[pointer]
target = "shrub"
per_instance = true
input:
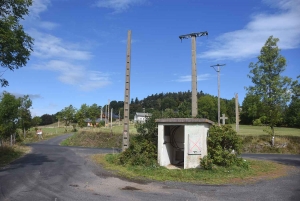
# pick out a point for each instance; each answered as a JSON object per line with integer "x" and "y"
{"x": 223, "y": 146}
{"x": 206, "y": 163}
{"x": 141, "y": 152}
{"x": 257, "y": 122}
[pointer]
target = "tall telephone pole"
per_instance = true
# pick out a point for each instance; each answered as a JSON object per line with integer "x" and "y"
{"x": 218, "y": 71}
{"x": 125, "y": 143}
{"x": 237, "y": 113}
{"x": 194, "y": 68}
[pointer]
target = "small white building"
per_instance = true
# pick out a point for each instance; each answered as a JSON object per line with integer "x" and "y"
{"x": 182, "y": 141}
{"x": 141, "y": 117}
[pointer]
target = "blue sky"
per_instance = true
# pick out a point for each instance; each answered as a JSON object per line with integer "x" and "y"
{"x": 80, "y": 48}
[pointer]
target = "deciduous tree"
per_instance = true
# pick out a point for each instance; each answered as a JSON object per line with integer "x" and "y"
{"x": 9, "y": 106}
{"x": 25, "y": 114}
{"x": 67, "y": 115}
{"x": 15, "y": 44}
{"x": 269, "y": 85}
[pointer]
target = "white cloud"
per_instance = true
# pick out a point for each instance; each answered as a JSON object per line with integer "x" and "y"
{"x": 118, "y": 5}
{"x": 37, "y": 7}
{"x": 76, "y": 75}
{"x": 48, "y": 25}
{"x": 49, "y": 46}
{"x": 247, "y": 42}
{"x": 188, "y": 78}
{"x": 19, "y": 95}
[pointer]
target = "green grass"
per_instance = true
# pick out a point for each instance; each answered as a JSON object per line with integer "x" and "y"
{"x": 219, "y": 175}
{"x": 48, "y": 133}
{"x": 258, "y": 130}
{"x": 10, "y": 153}
{"x": 116, "y": 129}
{"x": 94, "y": 139}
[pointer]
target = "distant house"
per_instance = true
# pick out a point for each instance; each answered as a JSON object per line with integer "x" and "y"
{"x": 89, "y": 121}
{"x": 104, "y": 119}
{"x": 141, "y": 117}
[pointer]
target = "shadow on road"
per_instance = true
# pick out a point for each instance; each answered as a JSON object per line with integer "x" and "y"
{"x": 28, "y": 160}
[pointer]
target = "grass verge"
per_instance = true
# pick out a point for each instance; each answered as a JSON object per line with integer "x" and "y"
{"x": 94, "y": 139}
{"x": 9, "y": 154}
{"x": 258, "y": 170}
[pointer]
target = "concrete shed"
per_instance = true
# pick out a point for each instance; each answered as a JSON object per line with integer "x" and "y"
{"x": 182, "y": 141}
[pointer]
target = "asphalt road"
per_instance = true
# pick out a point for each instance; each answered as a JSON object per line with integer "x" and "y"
{"x": 53, "y": 172}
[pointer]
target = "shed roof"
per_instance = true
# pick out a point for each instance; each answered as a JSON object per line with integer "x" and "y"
{"x": 184, "y": 120}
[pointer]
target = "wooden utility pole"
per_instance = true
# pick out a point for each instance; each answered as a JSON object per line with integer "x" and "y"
{"x": 237, "y": 113}
{"x": 119, "y": 118}
{"x": 125, "y": 143}
{"x": 111, "y": 118}
{"x": 194, "y": 69}
{"x": 219, "y": 105}
{"x": 107, "y": 114}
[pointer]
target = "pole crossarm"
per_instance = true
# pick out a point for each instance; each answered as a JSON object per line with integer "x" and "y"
{"x": 217, "y": 70}
{"x": 199, "y": 34}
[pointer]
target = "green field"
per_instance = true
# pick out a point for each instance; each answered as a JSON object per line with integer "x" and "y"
{"x": 258, "y": 130}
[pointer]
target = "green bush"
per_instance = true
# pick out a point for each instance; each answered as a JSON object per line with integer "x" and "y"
{"x": 223, "y": 146}
{"x": 141, "y": 152}
{"x": 257, "y": 122}
{"x": 206, "y": 163}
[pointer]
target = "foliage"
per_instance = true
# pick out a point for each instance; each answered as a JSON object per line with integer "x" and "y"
{"x": 184, "y": 109}
{"x": 36, "y": 121}
{"x": 9, "y": 106}
{"x": 24, "y": 114}
{"x": 47, "y": 119}
{"x": 67, "y": 115}
{"x": 206, "y": 163}
{"x": 292, "y": 117}
{"x": 269, "y": 85}
{"x": 208, "y": 107}
{"x": 251, "y": 109}
{"x": 149, "y": 129}
{"x": 94, "y": 113}
{"x": 15, "y": 44}
{"x": 141, "y": 152}
{"x": 223, "y": 146}
{"x": 257, "y": 122}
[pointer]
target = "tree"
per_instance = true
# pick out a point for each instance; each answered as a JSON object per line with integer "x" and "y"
{"x": 15, "y": 44}
{"x": 46, "y": 119}
{"x": 269, "y": 85}
{"x": 251, "y": 109}
{"x": 36, "y": 121}
{"x": 293, "y": 111}
{"x": 94, "y": 113}
{"x": 82, "y": 115}
{"x": 9, "y": 106}
{"x": 25, "y": 114}
{"x": 67, "y": 115}
{"x": 207, "y": 107}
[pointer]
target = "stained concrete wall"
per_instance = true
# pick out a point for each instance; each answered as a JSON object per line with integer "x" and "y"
{"x": 198, "y": 128}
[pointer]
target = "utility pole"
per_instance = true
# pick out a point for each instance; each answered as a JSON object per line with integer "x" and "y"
{"x": 111, "y": 119}
{"x": 101, "y": 114}
{"x": 125, "y": 143}
{"x": 237, "y": 119}
{"x": 194, "y": 68}
{"x": 119, "y": 118}
{"x": 218, "y": 71}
